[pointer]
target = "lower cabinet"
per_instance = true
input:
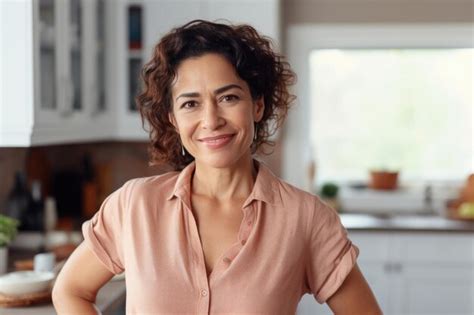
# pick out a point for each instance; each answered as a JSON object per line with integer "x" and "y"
{"x": 414, "y": 273}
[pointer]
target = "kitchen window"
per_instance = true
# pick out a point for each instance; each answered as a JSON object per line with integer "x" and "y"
{"x": 384, "y": 95}
{"x": 407, "y": 109}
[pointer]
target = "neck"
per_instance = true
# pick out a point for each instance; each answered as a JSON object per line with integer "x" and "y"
{"x": 225, "y": 184}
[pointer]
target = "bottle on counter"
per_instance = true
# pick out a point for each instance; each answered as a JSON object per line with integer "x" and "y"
{"x": 19, "y": 199}
{"x": 32, "y": 219}
{"x": 50, "y": 214}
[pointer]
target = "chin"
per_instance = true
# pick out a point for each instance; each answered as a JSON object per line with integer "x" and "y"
{"x": 220, "y": 159}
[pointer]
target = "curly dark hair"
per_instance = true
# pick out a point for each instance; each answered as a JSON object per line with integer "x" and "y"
{"x": 251, "y": 54}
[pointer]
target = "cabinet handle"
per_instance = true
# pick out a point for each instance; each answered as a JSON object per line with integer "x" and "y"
{"x": 68, "y": 88}
{"x": 397, "y": 267}
{"x": 95, "y": 100}
{"x": 71, "y": 95}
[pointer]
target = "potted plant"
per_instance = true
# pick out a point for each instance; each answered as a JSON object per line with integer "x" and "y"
{"x": 8, "y": 230}
{"x": 328, "y": 193}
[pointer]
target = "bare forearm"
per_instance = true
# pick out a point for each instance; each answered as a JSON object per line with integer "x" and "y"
{"x": 70, "y": 304}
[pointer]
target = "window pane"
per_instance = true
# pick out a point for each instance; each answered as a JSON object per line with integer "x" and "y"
{"x": 403, "y": 109}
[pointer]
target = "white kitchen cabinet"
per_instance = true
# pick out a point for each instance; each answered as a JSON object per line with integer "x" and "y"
{"x": 433, "y": 289}
{"x": 434, "y": 274}
{"x": 414, "y": 273}
{"x": 51, "y": 72}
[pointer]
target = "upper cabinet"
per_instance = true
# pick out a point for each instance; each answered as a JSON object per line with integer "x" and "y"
{"x": 70, "y": 69}
{"x": 68, "y": 54}
{"x": 53, "y": 73}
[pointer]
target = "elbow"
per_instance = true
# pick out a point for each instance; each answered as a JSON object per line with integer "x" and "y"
{"x": 58, "y": 294}
{"x": 66, "y": 298}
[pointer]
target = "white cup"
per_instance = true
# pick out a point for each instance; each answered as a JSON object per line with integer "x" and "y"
{"x": 44, "y": 262}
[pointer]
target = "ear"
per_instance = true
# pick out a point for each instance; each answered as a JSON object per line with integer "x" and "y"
{"x": 258, "y": 108}
{"x": 172, "y": 120}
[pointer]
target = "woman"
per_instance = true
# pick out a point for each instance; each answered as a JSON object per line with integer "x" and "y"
{"x": 222, "y": 234}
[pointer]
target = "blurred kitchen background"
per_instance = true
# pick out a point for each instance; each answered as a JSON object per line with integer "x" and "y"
{"x": 382, "y": 128}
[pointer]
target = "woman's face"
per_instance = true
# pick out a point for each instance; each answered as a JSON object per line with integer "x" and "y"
{"x": 213, "y": 111}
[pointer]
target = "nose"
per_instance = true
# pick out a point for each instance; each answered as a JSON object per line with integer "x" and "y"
{"x": 212, "y": 118}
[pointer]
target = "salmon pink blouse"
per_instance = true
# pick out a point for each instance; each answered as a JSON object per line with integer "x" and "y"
{"x": 289, "y": 243}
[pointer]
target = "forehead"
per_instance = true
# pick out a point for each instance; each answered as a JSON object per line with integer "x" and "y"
{"x": 209, "y": 71}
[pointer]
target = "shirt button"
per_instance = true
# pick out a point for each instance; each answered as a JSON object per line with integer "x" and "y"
{"x": 243, "y": 242}
{"x": 227, "y": 260}
{"x": 249, "y": 222}
{"x": 204, "y": 292}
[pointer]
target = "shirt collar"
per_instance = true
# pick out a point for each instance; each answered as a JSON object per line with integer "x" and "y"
{"x": 265, "y": 188}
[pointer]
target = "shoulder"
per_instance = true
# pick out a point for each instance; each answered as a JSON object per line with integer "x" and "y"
{"x": 151, "y": 186}
{"x": 292, "y": 195}
{"x": 306, "y": 204}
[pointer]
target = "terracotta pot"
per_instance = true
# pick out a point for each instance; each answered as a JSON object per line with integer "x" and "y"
{"x": 383, "y": 180}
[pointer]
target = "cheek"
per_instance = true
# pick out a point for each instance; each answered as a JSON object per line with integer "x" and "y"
{"x": 246, "y": 125}
{"x": 185, "y": 127}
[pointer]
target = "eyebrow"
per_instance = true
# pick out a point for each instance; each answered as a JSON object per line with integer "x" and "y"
{"x": 217, "y": 91}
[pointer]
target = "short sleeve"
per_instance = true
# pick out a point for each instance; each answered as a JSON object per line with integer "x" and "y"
{"x": 103, "y": 232}
{"x": 331, "y": 255}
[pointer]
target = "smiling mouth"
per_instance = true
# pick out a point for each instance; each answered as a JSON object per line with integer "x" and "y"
{"x": 217, "y": 142}
{"x": 216, "y": 138}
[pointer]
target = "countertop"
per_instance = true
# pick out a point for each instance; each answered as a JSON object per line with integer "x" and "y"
{"x": 109, "y": 299}
{"x": 405, "y": 222}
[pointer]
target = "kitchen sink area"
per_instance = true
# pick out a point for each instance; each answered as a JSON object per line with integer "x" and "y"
{"x": 406, "y": 222}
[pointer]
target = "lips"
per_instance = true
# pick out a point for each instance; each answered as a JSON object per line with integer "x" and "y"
{"x": 217, "y": 141}
{"x": 213, "y": 139}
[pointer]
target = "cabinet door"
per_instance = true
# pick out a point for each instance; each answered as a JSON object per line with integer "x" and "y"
{"x": 433, "y": 289}
{"x": 69, "y": 72}
{"x": 434, "y": 274}
{"x": 82, "y": 47}
{"x": 49, "y": 76}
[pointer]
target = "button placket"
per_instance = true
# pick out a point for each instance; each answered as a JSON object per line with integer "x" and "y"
{"x": 198, "y": 256}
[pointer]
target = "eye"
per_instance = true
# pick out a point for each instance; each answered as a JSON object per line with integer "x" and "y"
{"x": 188, "y": 105}
{"x": 230, "y": 98}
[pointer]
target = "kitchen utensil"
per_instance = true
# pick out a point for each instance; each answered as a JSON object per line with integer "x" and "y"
{"x": 25, "y": 282}
{"x": 44, "y": 262}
